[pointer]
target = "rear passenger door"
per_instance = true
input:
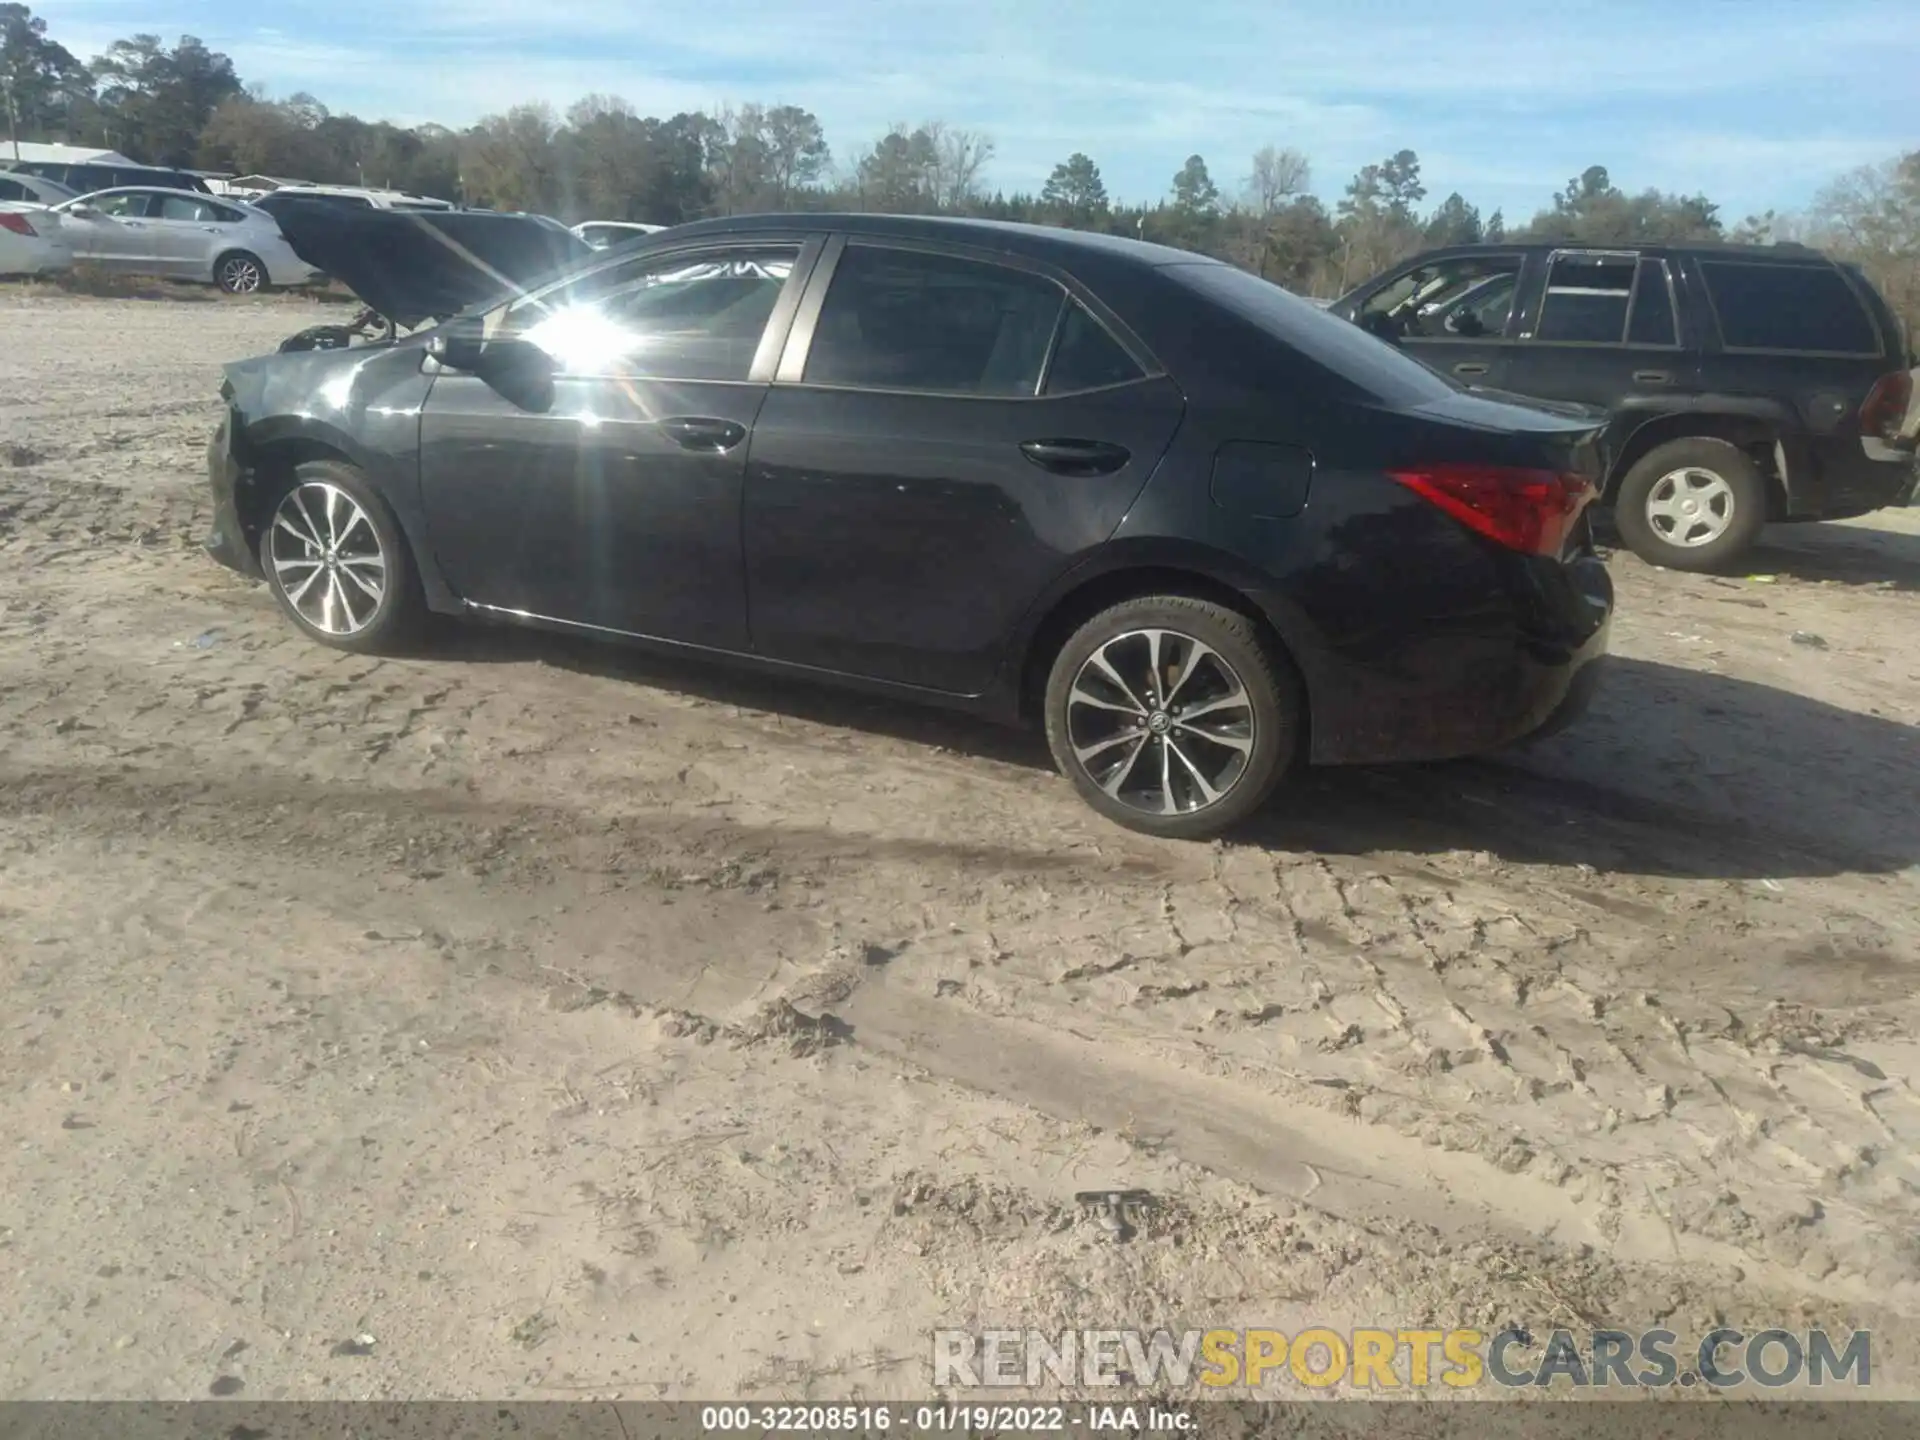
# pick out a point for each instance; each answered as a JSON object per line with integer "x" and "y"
{"x": 1603, "y": 329}
{"x": 189, "y": 232}
{"x": 947, "y": 432}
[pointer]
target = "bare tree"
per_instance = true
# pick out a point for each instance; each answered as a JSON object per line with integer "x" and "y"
{"x": 1277, "y": 176}
{"x": 958, "y": 158}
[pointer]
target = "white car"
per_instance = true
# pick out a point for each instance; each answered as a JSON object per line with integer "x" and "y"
{"x": 34, "y": 189}
{"x": 32, "y": 240}
{"x": 601, "y": 234}
{"x": 180, "y": 235}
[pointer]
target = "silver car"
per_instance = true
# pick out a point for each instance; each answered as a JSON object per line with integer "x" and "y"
{"x": 180, "y": 235}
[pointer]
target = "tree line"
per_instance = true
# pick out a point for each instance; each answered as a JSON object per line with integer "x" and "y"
{"x": 184, "y": 105}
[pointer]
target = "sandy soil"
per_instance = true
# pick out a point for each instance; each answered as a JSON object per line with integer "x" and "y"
{"x": 534, "y": 1019}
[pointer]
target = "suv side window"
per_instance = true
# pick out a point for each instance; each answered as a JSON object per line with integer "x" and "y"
{"x": 1652, "y": 322}
{"x": 910, "y": 320}
{"x": 1763, "y": 306}
{"x": 682, "y": 317}
{"x": 1586, "y": 299}
{"x": 1465, "y": 297}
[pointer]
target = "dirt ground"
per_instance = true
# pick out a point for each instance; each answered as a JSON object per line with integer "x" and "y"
{"x": 533, "y": 1019}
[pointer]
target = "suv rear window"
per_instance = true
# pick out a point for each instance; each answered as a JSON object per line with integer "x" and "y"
{"x": 1788, "y": 307}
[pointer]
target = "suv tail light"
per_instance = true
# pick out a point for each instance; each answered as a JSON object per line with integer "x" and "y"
{"x": 1532, "y": 511}
{"x": 16, "y": 222}
{"x": 1886, "y": 405}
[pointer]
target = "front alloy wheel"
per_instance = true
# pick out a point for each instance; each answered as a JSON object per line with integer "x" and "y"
{"x": 1171, "y": 715}
{"x": 337, "y": 561}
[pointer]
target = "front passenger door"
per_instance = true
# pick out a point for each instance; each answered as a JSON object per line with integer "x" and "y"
{"x": 1453, "y": 313}
{"x": 614, "y": 501}
{"x": 948, "y": 433}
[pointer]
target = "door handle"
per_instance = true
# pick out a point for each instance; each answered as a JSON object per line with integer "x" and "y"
{"x": 1653, "y": 377}
{"x": 701, "y": 432}
{"x": 1076, "y": 457}
{"x": 1471, "y": 367}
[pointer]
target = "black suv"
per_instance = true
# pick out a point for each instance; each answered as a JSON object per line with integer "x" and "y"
{"x": 1746, "y": 383}
{"x": 85, "y": 177}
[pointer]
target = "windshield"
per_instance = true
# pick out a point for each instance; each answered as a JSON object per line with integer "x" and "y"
{"x": 1358, "y": 358}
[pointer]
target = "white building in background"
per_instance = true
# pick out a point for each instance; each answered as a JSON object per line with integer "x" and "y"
{"x": 11, "y": 150}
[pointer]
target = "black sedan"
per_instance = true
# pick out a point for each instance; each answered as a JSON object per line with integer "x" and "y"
{"x": 1196, "y": 527}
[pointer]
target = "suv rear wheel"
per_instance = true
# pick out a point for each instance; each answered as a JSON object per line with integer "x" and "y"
{"x": 1692, "y": 504}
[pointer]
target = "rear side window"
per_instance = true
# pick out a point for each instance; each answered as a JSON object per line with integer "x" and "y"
{"x": 1653, "y": 320}
{"x": 179, "y": 207}
{"x": 1086, "y": 357}
{"x": 1586, "y": 299}
{"x": 1788, "y": 307}
{"x": 1371, "y": 366}
{"x": 13, "y": 190}
{"x": 908, "y": 320}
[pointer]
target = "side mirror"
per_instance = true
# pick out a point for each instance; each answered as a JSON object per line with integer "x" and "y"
{"x": 1381, "y": 326}
{"x": 83, "y": 210}
{"x": 459, "y": 344}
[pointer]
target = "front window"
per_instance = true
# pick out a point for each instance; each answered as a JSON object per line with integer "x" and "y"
{"x": 119, "y": 202}
{"x": 685, "y": 317}
{"x": 1467, "y": 297}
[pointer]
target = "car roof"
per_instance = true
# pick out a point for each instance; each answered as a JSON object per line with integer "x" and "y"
{"x": 1782, "y": 252}
{"x": 1040, "y": 242}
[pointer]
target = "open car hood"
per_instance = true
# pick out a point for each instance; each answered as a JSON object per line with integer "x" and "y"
{"x": 412, "y": 266}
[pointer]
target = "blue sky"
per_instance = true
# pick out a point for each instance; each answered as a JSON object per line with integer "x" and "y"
{"x": 1756, "y": 102}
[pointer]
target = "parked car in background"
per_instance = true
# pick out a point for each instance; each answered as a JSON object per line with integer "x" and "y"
{"x": 179, "y": 235}
{"x": 1747, "y": 384}
{"x": 84, "y": 177}
{"x": 1027, "y": 472}
{"x": 601, "y": 234}
{"x": 32, "y": 241}
{"x": 33, "y": 189}
{"x": 351, "y": 197}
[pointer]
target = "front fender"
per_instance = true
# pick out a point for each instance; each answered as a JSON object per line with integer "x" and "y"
{"x": 362, "y": 404}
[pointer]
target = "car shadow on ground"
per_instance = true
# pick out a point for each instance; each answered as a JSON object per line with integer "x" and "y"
{"x": 1845, "y": 554}
{"x": 1674, "y": 772}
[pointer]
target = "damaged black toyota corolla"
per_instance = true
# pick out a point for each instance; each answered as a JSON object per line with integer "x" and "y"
{"x": 1196, "y": 527}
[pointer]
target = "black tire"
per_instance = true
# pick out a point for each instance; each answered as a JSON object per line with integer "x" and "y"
{"x": 1274, "y": 712}
{"x": 1741, "y": 489}
{"x": 240, "y": 272}
{"x": 314, "y": 500}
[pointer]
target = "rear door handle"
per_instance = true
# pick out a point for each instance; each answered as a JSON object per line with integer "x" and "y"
{"x": 1653, "y": 377}
{"x": 702, "y": 432}
{"x": 1471, "y": 367}
{"x": 1076, "y": 457}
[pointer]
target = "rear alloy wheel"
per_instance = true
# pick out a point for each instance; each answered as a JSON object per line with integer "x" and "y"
{"x": 338, "y": 563}
{"x": 240, "y": 274}
{"x": 1693, "y": 504}
{"x": 1171, "y": 715}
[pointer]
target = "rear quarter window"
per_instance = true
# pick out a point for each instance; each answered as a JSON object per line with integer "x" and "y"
{"x": 1788, "y": 307}
{"x": 1370, "y": 365}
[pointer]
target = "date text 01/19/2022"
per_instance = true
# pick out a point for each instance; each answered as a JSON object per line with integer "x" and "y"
{"x": 939, "y": 1419}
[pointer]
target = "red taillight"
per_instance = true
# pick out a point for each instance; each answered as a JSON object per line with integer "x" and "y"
{"x": 16, "y": 222}
{"x": 1886, "y": 405}
{"x": 1531, "y": 511}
